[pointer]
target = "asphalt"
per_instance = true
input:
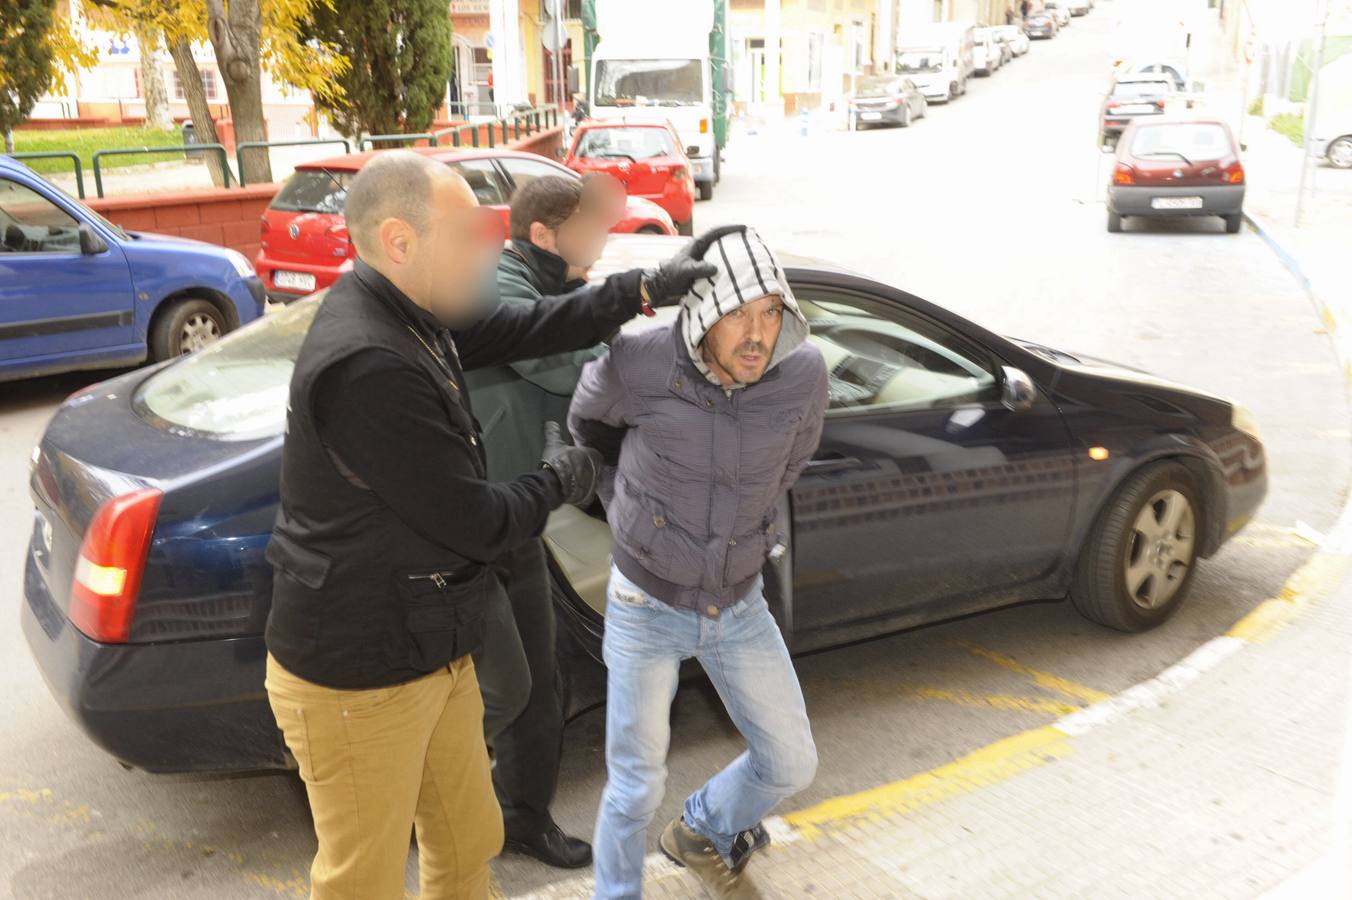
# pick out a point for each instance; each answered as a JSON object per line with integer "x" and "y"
{"x": 991, "y": 207}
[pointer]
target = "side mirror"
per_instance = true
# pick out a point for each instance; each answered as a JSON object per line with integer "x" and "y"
{"x": 1017, "y": 391}
{"x": 90, "y": 242}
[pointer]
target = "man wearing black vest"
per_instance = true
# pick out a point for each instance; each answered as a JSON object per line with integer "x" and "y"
{"x": 388, "y": 527}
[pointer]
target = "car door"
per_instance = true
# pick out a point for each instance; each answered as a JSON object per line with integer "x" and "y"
{"x": 928, "y": 497}
{"x": 56, "y": 301}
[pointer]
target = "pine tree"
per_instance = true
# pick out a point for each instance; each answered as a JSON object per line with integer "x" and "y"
{"x": 400, "y": 51}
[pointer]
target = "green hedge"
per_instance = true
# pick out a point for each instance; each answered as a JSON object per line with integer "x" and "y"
{"x": 1292, "y": 125}
{"x": 85, "y": 141}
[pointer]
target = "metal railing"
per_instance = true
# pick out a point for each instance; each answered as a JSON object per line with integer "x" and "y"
{"x": 131, "y": 151}
{"x": 59, "y": 154}
{"x": 253, "y": 145}
{"x": 374, "y": 139}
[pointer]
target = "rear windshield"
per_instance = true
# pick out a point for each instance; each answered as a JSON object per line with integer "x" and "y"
{"x": 625, "y": 143}
{"x": 1192, "y": 141}
{"x": 313, "y": 191}
{"x": 1132, "y": 89}
{"x": 235, "y": 389}
{"x": 879, "y": 84}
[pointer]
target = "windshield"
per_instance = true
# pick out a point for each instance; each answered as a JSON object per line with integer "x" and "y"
{"x": 649, "y": 82}
{"x": 1192, "y": 141}
{"x": 1132, "y": 89}
{"x": 916, "y": 61}
{"x": 879, "y": 84}
{"x": 625, "y": 143}
{"x": 314, "y": 191}
{"x": 235, "y": 389}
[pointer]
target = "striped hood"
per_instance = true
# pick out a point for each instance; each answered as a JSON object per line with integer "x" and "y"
{"x": 747, "y": 271}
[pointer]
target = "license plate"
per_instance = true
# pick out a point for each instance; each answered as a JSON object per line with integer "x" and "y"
{"x": 296, "y": 281}
{"x": 1134, "y": 108}
{"x": 870, "y": 116}
{"x": 1176, "y": 203}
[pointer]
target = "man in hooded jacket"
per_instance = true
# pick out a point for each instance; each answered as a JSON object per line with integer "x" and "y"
{"x": 704, "y": 424}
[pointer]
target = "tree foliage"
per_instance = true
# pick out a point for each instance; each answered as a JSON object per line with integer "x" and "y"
{"x": 400, "y": 53}
{"x": 37, "y": 49}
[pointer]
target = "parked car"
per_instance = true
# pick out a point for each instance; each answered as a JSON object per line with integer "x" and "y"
{"x": 1336, "y": 147}
{"x": 78, "y": 292}
{"x": 1174, "y": 71}
{"x": 1132, "y": 97}
{"x": 304, "y": 241}
{"x": 645, "y": 156}
{"x": 1059, "y": 12}
{"x": 886, "y": 99}
{"x": 938, "y": 58}
{"x": 986, "y": 53}
{"x": 1008, "y": 471}
{"x": 1076, "y": 7}
{"x": 1015, "y": 37}
{"x": 1040, "y": 25}
{"x": 1177, "y": 167}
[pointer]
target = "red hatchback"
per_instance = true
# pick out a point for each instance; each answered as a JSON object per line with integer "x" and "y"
{"x": 646, "y": 157}
{"x": 1177, "y": 167}
{"x": 304, "y": 243}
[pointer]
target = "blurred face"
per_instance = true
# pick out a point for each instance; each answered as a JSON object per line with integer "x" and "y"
{"x": 444, "y": 266}
{"x": 581, "y": 238}
{"x": 738, "y": 348}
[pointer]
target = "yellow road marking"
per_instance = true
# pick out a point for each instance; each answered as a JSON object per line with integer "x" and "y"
{"x": 998, "y": 701}
{"x": 1063, "y": 686}
{"x": 984, "y": 766}
{"x": 1316, "y": 577}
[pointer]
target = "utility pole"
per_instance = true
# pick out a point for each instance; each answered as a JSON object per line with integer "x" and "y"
{"x": 1312, "y": 109}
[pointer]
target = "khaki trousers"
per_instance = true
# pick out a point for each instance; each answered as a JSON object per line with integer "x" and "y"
{"x": 377, "y": 763}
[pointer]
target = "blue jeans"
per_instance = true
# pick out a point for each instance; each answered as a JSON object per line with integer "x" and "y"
{"x": 744, "y": 655}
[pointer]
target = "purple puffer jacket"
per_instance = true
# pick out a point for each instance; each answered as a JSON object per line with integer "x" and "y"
{"x": 700, "y": 470}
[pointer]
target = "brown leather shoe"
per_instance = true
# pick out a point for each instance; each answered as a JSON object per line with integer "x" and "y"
{"x": 687, "y": 847}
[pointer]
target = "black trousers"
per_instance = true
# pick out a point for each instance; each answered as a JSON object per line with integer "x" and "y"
{"x": 523, "y": 712}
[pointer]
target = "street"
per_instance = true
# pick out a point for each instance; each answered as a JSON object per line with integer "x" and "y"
{"x": 991, "y": 206}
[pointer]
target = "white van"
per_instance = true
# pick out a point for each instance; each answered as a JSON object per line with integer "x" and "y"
{"x": 938, "y": 58}
{"x": 1332, "y": 137}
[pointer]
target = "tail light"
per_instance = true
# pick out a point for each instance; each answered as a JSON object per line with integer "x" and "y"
{"x": 1159, "y": 104}
{"x": 1123, "y": 174}
{"x": 703, "y": 126}
{"x": 111, "y": 562}
{"x": 1234, "y": 173}
{"x": 1112, "y": 104}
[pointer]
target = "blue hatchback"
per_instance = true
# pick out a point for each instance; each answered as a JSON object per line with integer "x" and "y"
{"x": 78, "y": 292}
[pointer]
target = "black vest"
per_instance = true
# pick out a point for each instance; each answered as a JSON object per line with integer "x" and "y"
{"x": 359, "y": 599}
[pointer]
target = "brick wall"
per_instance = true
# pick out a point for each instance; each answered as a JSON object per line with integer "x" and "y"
{"x": 229, "y": 216}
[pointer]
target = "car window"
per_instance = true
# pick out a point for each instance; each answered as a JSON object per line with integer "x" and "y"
{"x": 313, "y": 191}
{"x": 920, "y": 61}
{"x": 624, "y": 143}
{"x": 524, "y": 171}
{"x": 484, "y": 179}
{"x": 1192, "y": 140}
{"x": 30, "y": 223}
{"x": 235, "y": 389}
{"x": 886, "y": 357}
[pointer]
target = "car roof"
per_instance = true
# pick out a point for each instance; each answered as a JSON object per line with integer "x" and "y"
{"x": 623, "y": 122}
{"x": 641, "y": 251}
{"x": 1133, "y": 77}
{"x": 352, "y": 162}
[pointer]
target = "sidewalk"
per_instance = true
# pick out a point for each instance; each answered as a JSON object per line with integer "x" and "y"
{"x": 1215, "y": 779}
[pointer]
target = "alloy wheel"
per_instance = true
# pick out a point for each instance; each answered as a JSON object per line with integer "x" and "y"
{"x": 1160, "y": 550}
{"x": 198, "y": 331}
{"x": 1340, "y": 153}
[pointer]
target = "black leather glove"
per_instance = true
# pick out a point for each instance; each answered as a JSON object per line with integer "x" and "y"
{"x": 577, "y": 468}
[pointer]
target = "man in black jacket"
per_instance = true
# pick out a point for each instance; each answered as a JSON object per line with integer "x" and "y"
{"x": 388, "y": 527}
{"x": 559, "y": 228}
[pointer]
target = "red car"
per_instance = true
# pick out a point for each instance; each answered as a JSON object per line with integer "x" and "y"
{"x": 1166, "y": 168}
{"x": 646, "y": 157}
{"x": 304, "y": 243}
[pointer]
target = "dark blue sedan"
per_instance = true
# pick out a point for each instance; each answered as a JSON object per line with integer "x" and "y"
{"x": 78, "y": 292}
{"x": 959, "y": 471}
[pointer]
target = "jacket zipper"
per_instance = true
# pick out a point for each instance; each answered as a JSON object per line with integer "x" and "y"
{"x": 437, "y": 578}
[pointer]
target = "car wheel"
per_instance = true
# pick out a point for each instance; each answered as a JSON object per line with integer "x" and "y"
{"x": 1114, "y": 222}
{"x": 906, "y": 117}
{"x": 652, "y": 229}
{"x": 687, "y": 227}
{"x": 706, "y": 190}
{"x": 1340, "y": 153}
{"x": 1137, "y": 565}
{"x": 1233, "y": 223}
{"x": 185, "y": 326}
{"x": 953, "y": 92}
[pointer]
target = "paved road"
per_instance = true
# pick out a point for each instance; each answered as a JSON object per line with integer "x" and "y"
{"x": 990, "y": 207}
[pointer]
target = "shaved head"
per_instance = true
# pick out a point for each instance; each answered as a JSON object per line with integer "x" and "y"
{"x": 415, "y": 220}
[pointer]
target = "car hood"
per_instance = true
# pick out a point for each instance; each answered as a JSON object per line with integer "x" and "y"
{"x": 1095, "y": 366}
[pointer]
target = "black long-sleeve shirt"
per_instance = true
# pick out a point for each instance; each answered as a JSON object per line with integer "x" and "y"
{"x": 385, "y": 422}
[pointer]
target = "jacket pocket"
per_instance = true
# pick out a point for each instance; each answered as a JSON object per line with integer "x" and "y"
{"x": 442, "y": 616}
{"x": 303, "y": 565}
